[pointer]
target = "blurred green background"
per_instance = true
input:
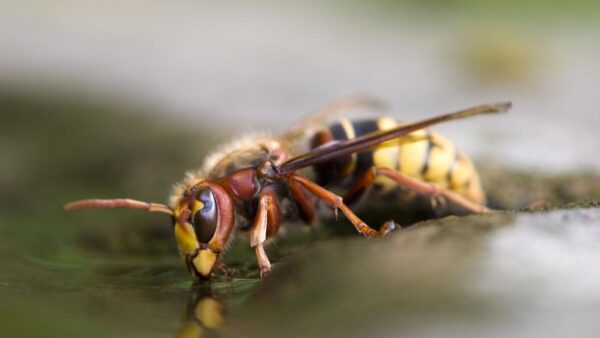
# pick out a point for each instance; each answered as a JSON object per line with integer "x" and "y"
{"x": 109, "y": 99}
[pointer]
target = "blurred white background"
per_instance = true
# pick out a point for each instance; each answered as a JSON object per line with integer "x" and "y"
{"x": 247, "y": 66}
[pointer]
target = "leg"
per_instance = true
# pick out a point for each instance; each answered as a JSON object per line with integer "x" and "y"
{"x": 303, "y": 200}
{"x": 266, "y": 216}
{"x": 366, "y": 183}
{"x": 336, "y": 202}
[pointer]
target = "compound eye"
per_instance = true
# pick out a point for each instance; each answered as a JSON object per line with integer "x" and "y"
{"x": 205, "y": 215}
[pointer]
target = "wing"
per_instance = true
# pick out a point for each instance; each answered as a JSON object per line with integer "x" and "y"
{"x": 376, "y": 138}
{"x": 323, "y": 115}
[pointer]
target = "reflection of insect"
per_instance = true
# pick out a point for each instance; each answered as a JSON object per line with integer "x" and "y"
{"x": 204, "y": 315}
{"x": 255, "y": 184}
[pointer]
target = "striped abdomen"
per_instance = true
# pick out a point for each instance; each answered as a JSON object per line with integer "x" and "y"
{"x": 423, "y": 155}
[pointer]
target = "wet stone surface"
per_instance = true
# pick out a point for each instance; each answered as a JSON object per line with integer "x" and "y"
{"x": 523, "y": 274}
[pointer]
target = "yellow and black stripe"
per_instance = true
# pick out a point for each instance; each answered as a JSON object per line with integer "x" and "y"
{"x": 423, "y": 155}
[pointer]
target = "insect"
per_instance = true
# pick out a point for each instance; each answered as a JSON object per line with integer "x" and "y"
{"x": 257, "y": 184}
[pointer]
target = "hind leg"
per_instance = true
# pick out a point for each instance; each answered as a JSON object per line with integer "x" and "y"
{"x": 436, "y": 193}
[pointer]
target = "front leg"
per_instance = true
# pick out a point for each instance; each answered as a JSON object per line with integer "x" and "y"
{"x": 266, "y": 223}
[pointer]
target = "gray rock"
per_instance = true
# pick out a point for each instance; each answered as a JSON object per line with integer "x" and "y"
{"x": 525, "y": 274}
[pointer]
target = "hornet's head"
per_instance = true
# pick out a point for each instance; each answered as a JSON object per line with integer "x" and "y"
{"x": 203, "y": 216}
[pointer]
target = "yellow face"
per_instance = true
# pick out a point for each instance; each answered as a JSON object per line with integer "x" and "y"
{"x": 196, "y": 220}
